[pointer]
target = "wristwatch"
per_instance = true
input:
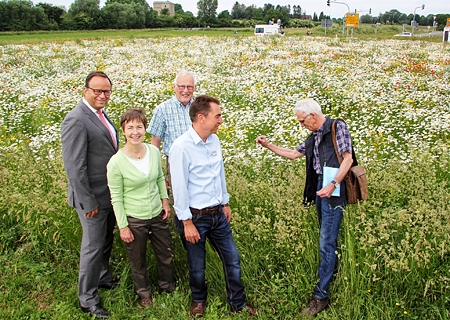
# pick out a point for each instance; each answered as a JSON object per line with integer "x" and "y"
{"x": 335, "y": 184}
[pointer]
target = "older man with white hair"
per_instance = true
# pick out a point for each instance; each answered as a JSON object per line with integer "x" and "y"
{"x": 171, "y": 118}
{"x": 319, "y": 151}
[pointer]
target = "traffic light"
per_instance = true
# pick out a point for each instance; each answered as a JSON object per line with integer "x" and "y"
{"x": 370, "y": 11}
{"x": 328, "y": 2}
{"x": 423, "y": 6}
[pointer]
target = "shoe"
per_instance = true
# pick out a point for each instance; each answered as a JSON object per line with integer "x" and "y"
{"x": 145, "y": 302}
{"x": 109, "y": 286}
{"x": 198, "y": 308}
{"x": 315, "y": 305}
{"x": 97, "y": 310}
{"x": 251, "y": 310}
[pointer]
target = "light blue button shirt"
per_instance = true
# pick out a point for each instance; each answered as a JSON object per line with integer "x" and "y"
{"x": 170, "y": 120}
{"x": 198, "y": 175}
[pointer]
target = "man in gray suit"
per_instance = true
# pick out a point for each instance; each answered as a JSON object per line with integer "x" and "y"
{"x": 89, "y": 140}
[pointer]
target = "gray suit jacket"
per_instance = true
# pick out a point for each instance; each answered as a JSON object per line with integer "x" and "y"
{"x": 86, "y": 147}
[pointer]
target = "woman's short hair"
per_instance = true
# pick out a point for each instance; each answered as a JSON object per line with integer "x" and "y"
{"x": 135, "y": 114}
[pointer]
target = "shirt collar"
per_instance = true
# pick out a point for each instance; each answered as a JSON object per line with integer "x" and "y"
{"x": 195, "y": 137}
{"x": 178, "y": 103}
{"x": 89, "y": 106}
{"x": 321, "y": 127}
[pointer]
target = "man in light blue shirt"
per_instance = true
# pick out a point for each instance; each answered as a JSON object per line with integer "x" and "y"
{"x": 171, "y": 118}
{"x": 201, "y": 204}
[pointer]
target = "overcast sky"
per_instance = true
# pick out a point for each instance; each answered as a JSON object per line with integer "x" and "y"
{"x": 310, "y": 6}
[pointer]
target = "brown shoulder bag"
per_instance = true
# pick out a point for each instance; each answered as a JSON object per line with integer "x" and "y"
{"x": 355, "y": 179}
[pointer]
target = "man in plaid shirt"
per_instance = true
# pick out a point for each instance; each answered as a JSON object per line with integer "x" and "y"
{"x": 171, "y": 118}
{"x": 319, "y": 151}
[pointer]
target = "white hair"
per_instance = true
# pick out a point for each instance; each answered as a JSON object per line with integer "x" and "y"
{"x": 183, "y": 73}
{"x": 307, "y": 106}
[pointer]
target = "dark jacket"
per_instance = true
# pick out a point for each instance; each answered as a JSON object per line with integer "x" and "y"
{"x": 328, "y": 157}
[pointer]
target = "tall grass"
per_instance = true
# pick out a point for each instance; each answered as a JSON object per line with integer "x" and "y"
{"x": 393, "y": 249}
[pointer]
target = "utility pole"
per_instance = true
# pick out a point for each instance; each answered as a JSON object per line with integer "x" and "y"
{"x": 414, "y": 18}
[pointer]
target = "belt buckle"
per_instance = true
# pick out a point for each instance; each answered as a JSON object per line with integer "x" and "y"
{"x": 211, "y": 209}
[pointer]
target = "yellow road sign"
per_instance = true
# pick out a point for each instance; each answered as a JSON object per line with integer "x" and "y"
{"x": 352, "y": 20}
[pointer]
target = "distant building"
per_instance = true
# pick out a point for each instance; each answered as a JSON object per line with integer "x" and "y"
{"x": 159, "y": 5}
{"x": 305, "y": 17}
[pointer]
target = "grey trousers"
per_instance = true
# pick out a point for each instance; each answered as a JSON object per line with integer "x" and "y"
{"x": 96, "y": 246}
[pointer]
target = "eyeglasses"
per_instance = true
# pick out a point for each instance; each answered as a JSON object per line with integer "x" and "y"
{"x": 303, "y": 120}
{"x": 98, "y": 92}
{"x": 190, "y": 88}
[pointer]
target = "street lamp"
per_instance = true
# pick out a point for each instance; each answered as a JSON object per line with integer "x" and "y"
{"x": 348, "y": 8}
{"x": 414, "y": 18}
{"x": 343, "y": 20}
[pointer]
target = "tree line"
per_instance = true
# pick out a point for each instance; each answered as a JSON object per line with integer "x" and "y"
{"x": 396, "y": 17}
{"x": 23, "y": 15}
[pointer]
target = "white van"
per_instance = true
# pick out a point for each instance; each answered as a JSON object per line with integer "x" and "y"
{"x": 268, "y": 30}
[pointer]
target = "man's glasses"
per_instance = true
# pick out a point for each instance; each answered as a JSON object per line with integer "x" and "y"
{"x": 190, "y": 88}
{"x": 303, "y": 120}
{"x": 98, "y": 92}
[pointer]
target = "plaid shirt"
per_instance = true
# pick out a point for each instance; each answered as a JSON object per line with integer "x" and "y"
{"x": 343, "y": 140}
{"x": 170, "y": 120}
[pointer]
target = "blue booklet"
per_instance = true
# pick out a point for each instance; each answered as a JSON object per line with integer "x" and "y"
{"x": 328, "y": 174}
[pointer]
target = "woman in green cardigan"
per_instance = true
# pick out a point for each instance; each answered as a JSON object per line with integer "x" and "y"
{"x": 141, "y": 205}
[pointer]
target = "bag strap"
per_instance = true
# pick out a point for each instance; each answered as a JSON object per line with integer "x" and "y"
{"x": 333, "y": 137}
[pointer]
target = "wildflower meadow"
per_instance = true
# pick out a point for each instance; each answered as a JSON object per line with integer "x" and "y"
{"x": 394, "y": 249}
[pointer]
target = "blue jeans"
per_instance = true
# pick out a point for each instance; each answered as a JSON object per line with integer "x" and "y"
{"x": 329, "y": 223}
{"x": 216, "y": 228}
